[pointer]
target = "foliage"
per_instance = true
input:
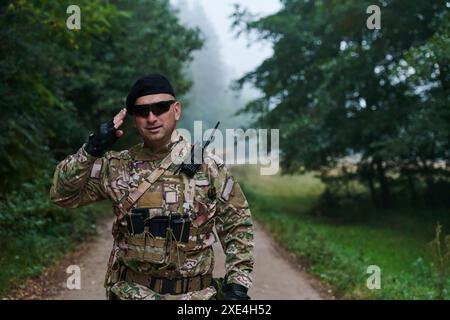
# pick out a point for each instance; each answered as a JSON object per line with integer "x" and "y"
{"x": 57, "y": 84}
{"x": 440, "y": 247}
{"x": 373, "y": 101}
{"x": 35, "y": 233}
{"x": 337, "y": 247}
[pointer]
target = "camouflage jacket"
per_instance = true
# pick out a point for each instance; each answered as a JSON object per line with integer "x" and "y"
{"x": 219, "y": 202}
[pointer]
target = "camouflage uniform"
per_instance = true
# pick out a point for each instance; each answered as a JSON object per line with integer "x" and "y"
{"x": 218, "y": 203}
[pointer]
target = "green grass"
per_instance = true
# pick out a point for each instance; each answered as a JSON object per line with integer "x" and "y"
{"x": 338, "y": 244}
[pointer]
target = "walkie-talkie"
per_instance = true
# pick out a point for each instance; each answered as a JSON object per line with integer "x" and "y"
{"x": 195, "y": 163}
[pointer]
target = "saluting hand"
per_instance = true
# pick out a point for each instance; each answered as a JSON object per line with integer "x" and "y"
{"x": 118, "y": 121}
{"x": 106, "y": 136}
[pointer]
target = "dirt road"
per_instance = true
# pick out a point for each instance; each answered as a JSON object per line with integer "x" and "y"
{"x": 275, "y": 277}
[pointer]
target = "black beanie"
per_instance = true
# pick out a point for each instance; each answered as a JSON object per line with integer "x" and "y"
{"x": 150, "y": 84}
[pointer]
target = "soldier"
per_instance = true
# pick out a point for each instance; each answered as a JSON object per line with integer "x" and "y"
{"x": 165, "y": 215}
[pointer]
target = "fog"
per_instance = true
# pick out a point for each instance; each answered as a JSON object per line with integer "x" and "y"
{"x": 223, "y": 59}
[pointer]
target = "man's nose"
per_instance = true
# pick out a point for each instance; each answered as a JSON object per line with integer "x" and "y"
{"x": 151, "y": 117}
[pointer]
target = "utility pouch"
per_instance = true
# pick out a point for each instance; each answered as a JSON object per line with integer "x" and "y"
{"x": 157, "y": 226}
{"x": 147, "y": 238}
{"x": 136, "y": 220}
{"x": 180, "y": 225}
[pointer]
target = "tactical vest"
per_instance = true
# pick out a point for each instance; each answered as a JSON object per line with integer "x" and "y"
{"x": 170, "y": 220}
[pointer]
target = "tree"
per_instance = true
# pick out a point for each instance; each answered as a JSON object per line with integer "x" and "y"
{"x": 347, "y": 92}
{"x": 57, "y": 84}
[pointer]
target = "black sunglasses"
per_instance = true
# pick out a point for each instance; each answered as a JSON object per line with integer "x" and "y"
{"x": 157, "y": 108}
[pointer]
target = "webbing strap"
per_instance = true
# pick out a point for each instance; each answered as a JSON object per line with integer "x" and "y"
{"x": 170, "y": 286}
{"x": 179, "y": 151}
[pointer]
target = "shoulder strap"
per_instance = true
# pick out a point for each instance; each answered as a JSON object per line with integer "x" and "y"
{"x": 134, "y": 196}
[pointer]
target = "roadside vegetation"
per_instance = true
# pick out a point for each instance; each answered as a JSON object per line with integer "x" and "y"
{"x": 338, "y": 244}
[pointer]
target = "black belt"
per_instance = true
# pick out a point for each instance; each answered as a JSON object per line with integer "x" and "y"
{"x": 170, "y": 286}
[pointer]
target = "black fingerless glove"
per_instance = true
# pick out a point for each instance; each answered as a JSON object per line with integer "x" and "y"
{"x": 233, "y": 291}
{"x": 101, "y": 141}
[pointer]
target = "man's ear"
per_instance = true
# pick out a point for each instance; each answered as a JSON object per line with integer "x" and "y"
{"x": 177, "y": 109}
{"x": 134, "y": 121}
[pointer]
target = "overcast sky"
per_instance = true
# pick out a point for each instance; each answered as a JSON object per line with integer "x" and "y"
{"x": 235, "y": 54}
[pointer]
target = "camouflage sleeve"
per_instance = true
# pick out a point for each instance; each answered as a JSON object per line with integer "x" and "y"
{"x": 234, "y": 227}
{"x": 77, "y": 180}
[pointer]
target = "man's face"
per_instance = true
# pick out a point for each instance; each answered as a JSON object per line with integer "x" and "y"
{"x": 157, "y": 130}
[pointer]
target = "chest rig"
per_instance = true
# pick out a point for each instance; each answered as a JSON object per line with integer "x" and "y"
{"x": 166, "y": 217}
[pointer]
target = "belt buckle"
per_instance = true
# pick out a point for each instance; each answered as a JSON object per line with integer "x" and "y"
{"x": 169, "y": 286}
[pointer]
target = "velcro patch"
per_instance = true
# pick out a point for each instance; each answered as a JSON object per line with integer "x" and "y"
{"x": 202, "y": 183}
{"x": 151, "y": 200}
{"x": 227, "y": 188}
{"x": 96, "y": 169}
{"x": 171, "y": 197}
